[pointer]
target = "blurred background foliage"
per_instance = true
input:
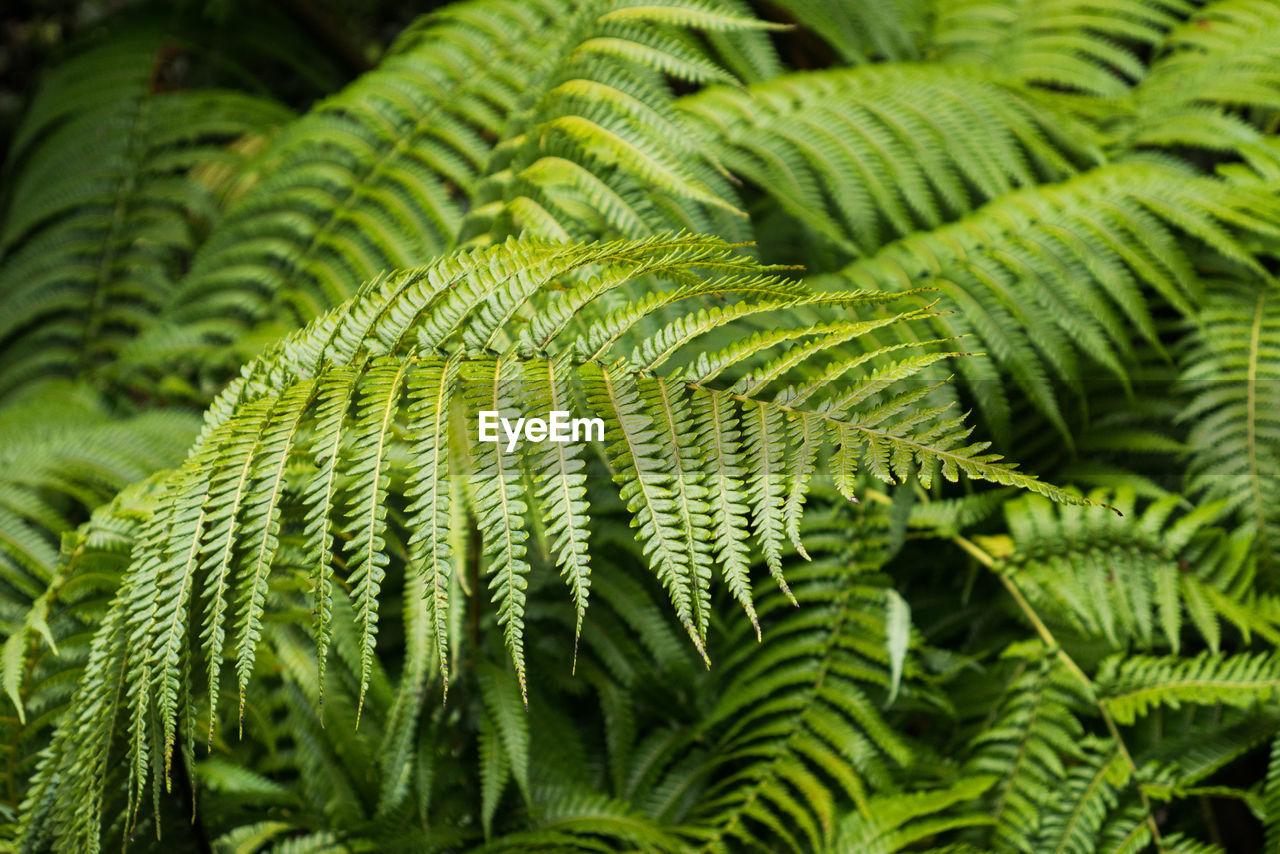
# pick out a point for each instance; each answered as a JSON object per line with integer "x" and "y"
{"x": 1084, "y": 195}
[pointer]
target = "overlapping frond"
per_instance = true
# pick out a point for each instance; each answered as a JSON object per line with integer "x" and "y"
{"x": 63, "y": 454}
{"x": 551, "y": 117}
{"x": 261, "y": 637}
{"x": 855, "y": 156}
{"x": 1027, "y": 743}
{"x": 47, "y": 642}
{"x": 1060, "y": 719}
{"x": 1214, "y": 83}
{"x": 1136, "y": 580}
{"x": 1078, "y": 811}
{"x": 798, "y": 735}
{"x": 786, "y": 742}
{"x": 1132, "y": 686}
{"x": 1105, "y": 240}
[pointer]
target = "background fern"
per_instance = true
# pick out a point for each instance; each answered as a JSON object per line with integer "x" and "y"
{"x": 793, "y": 253}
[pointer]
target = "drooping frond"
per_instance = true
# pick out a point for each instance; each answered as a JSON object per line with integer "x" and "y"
{"x": 1079, "y": 45}
{"x": 1231, "y": 367}
{"x": 46, "y": 646}
{"x": 117, "y": 183}
{"x": 207, "y": 555}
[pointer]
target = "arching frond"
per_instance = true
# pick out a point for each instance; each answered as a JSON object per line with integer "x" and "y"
{"x": 508, "y": 110}
{"x": 1135, "y": 580}
{"x": 1133, "y": 685}
{"x": 1104, "y": 237}
{"x": 209, "y": 553}
{"x": 63, "y": 454}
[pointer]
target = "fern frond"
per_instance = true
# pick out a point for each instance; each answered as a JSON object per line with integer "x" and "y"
{"x": 1105, "y": 234}
{"x": 481, "y": 112}
{"x": 497, "y": 498}
{"x": 63, "y": 455}
{"x": 1132, "y": 686}
{"x": 797, "y": 734}
{"x": 109, "y": 203}
{"x": 429, "y": 392}
{"x": 1271, "y": 794}
{"x": 347, "y": 373}
{"x": 1231, "y": 370}
{"x": 1133, "y": 580}
{"x": 850, "y": 154}
{"x": 1075, "y": 44}
{"x": 1030, "y": 738}
{"x": 1210, "y": 68}
{"x": 1073, "y": 821}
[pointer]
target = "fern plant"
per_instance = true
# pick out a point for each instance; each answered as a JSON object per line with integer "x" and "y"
{"x": 820, "y": 269}
{"x": 450, "y": 341}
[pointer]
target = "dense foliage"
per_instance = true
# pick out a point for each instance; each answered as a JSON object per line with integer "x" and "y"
{"x": 823, "y": 267}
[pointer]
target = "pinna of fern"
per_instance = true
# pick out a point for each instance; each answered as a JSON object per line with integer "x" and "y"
{"x": 736, "y": 430}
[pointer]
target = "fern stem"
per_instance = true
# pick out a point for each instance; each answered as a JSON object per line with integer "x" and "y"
{"x": 1047, "y": 637}
{"x": 980, "y": 555}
